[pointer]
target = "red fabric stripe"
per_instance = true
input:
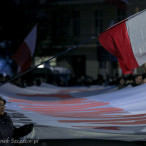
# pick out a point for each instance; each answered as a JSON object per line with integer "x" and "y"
{"x": 102, "y": 128}
{"x": 116, "y": 41}
{"x": 23, "y": 57}
{"x": 26, "y": 65}
{"x": 104, "y": 120}
{"x": 47, "y": 95}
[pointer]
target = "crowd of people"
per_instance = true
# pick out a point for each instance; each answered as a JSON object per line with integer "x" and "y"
{"x": 120, "y": 82}
{"x": 133, "y": 80}
{"x": 11, "y": 132}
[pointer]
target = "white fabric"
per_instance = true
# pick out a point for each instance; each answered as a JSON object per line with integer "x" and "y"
{"x": 136, "y": 27}
{"x": 79, "y": 112}
{"x": 30, "y": 40}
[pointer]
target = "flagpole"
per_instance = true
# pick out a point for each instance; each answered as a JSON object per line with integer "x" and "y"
{"x": 59, "y": 54}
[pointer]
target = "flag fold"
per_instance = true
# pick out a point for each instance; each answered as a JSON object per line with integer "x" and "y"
{"x": 26, "y": 50}
{"x": 127, "y": 41}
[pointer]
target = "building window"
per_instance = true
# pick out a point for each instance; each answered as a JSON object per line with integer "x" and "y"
{"x": 39, "y": 60}
{"x": 76, "y": 23}
{"x": 98, "y": 21}
{"x": 120, "y": 14}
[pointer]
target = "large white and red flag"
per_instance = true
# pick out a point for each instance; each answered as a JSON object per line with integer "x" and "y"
{"x": 94, "y": 112}
{"x": 127, "y": 41}
{"x": 25, "y": 52}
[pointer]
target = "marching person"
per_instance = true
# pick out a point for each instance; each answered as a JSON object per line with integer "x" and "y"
{"x": 7, "y": 130}
{"x": 138, "y": 80}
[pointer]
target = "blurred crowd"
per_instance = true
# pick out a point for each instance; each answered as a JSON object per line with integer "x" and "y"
{"x": 123, "y": 81}
{"x": 68, "y": 80}
{"x": 133, "y": 80}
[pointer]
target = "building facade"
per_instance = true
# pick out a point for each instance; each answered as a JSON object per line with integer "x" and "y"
{"x": 79, "y": 21}
{"x": 64, "y": 24}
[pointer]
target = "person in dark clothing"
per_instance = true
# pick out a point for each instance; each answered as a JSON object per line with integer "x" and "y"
{"x": 121, "y": 83}
{"x": 7, "y": 130}
{"x": 138, "y": 80}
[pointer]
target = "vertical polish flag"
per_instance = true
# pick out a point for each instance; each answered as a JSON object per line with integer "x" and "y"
{"x": 25, "y": 52}
{"x": 127, "y": 41}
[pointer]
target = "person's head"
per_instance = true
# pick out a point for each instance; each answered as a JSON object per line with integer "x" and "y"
{"x": 139, "y": 79}
{"x": 122, "y": 81}
{"x": 144, "y": 80}
{"x": 2, "y": 106}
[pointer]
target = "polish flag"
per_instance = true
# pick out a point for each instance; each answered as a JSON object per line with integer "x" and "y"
{"x": 127, "y": 41}
{"x": 25, "y": 52}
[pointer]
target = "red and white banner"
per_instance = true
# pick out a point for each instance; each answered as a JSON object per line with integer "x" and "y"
{"x": 79, "y": 112}
{"x": 25, "y": 52}
{"x": 127, "y": 41}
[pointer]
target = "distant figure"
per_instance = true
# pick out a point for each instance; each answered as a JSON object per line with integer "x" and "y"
{"x": 8, "y": 131}
{"x": 130, "y": 80}
{"x": 38, "y": 82}
{"x": 138, "y": 80}
{"x": 121, "y": 83}
{"x": 107, "y": 80}
{"x": 100, "y": 80}
{"x": 144, "y": 80}
{"x": 1, "y": 78}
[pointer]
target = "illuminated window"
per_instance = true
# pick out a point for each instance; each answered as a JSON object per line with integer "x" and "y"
{"x": 39, "y": 60}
